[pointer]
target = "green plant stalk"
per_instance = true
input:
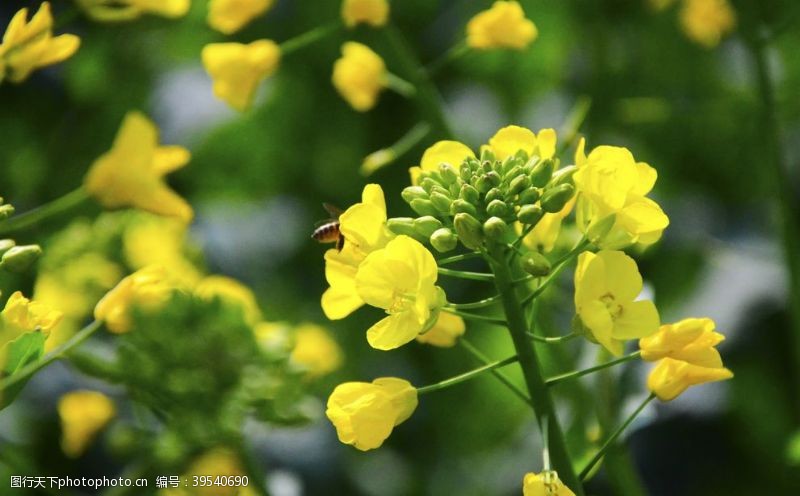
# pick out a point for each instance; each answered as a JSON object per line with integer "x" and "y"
{"x": 574, "y": 375}
{"x": 486, "y": 302}
{"x": 461, "y": 274}
{"x": 539, "y": 393}
{"x": 465, "y": 376}
{"x": 309, "y": 38}
{"x": 476, "y": 317}
{"x": 472, "y": 350}
{"x": 457, "y": 258}
{"x": 59, "y": 206}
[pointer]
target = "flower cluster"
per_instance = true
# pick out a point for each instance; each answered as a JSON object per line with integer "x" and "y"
{"x": 705, "y": 22}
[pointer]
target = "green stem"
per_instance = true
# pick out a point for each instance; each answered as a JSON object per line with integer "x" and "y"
{"x": 385, "y": 156}
{"x": 554, "y": 339}
{"x": 560, "y": 265}
{"x": 580, "y": 373}
{"x": 51, "y": 357}
{"x": 599, "y": 455}
{"x": 309, "y": 38}
{"x": 575, "y": 120}
{"x": 472, "y": 316}
{"x": 465, "y": 376}
{"x": 486, "y": 302}
{"x": 453, "y": 53}
{"x": 66, "y": 203}
{"x": 400, "y": 85}
{"x": 458, "y": 258}
{"x": 461, "y": 274}
{"x": 539, "y": 393}
{"x": 472, "y": 350}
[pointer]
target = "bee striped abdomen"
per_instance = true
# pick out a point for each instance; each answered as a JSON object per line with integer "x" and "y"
{"x": 327, "y": 233}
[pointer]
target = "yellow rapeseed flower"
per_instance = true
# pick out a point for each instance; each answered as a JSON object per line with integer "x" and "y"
{"x": 401, "y": 279}
{"x": 148, "y": 288}
{"x": 315, "y": 350}
{"x": 83, "y": 415}
{"x": 545, "y": 484}
{"x": 229, "y": 16}
{"x": 233, "y": 292}
{"x": 28, "y": 46}
{"x": 132, "y": 173}
{"x": 153, "y": 240}
{"x": 216, "y": 462}
{"x": 441, "y": 152}
{"x": 364, "y": 414}
{"x": 237, "y": 69}
{"x": 502, "y": 26}
{"x": 672, "y": 377}
{"x": 22, "y": 316}
{"x": 372, "y": 12}
{"x": 364, "y": 228}
{"x": 508, "y": 141}
{"x": 606, "y": 287}
{"x": 127, "y": 10}
{"x": 359, "y": 76}
{"x": 445, "y": 332}
{"x": 707, "y": 21}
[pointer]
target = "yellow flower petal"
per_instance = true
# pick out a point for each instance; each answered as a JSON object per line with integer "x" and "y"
{"x": 546, "y": 140}
{"x": 237, "y": 69}
{"x": 445, "y": 152}
{"x": 359, "y": 76}
{"x": 83, "y": 415}
{"x": 372, "y": 12}
{"x": 511, "y": 139}
{"x": 502, "y": 26}
{"x": 445, "y": 332}
{"x": 229, "y": 16}
{"x": 315, "y": 350}
{"x": 672, "y": 377}
{"x": 638, "y": 319}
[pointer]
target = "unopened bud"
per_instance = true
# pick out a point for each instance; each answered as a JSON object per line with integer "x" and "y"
{"x": 424, "y": 207}
{"x": 444, "y": 240}
{"x": 493, "y": 194}
{"x": 536, "y": 264}
{"x": 565, "y": 176}
{"x": 441, "y": 202}
{"x": 425, "y": 226}
{"x": 518, "y": 184}
{"x": 19, "y": 258}
{"x": 498, "y": 208}
{"x": 469, "y": 194}
{"x": 6, "y": 211}
{"x": 6, "y": 244}
{"x": 495, "y": 228}
{"x": 469, "y": 230}
{"x": 530, "y": 214}
{"x": 542, "y": 172}
{"x": 448, "y": 173}
{"x": 466, "y": 171}
{"x": 554, "y": 199}
{"x": 427, "y": 182}
{"x": 402, "y": 225}
{"x": 530, "y": 196}
{"x": 412, "y": 193}
{"x": 487, "y": 155}
{"x": 463, "y": 207}
{"x": 514, "y": 171}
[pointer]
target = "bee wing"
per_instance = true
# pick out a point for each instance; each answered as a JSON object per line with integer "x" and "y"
{"x": 333, "y": 210}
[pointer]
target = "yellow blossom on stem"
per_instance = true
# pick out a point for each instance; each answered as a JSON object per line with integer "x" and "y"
{"x": 28, "y": 46}
{"x": 690, "y": 340}
{"x": 153, "y": 240}
{"x": 127, "y": 10}
{"x": 365, "y": 414}
{"x": 315, "y": 350}
{"x": 672, "y": 377}
{"x": 148, "y": 288}
{"x": 606, "y": 287}
{"x": 372, "y": 12}
{"x": 359, "y": 76}
{"x": 502, "y": 26}
{"x": 229, "y": 16}
{"x": 83, "y": 415}
{"x": 237, "y": 69}
{"x": 364, "y": 227}
{"x": 442, "y": 152}
{"x": 445, "y": 332}
{"x": 401, "y": 279}
{"x": 545, "y": 484}
{"x": 233, "y": 292}
{"x": 508, "y": 141}
{"x": 21, "y": 316}
{"x": 132, "y": 173}
{"x": 706, "y": 21}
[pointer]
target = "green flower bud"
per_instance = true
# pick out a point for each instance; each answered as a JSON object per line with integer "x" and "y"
{"x": 469, "y": 230}
{"x": 448, "y": 173}
{"x": 487, "y": 155}
{"x": 536, "y": 264}
{"x": 495, "y": 228}
{"x": 444, "y": 240}
{"x": 498, "y": 208}
{"x": 424, "y": 207}
{"x": 542, "y": 172}
{"x": 19, "y": 258}
{"x": 441, "y": 202}
{"x": 402, "y": 225}
{"x": 6, "y": 211}
{"x": 486, "y": 167}
{"x": 508, "y": 165}
{"x": 6, "y": 244}
{"x": 428, "y": 183}
{"x": 440, "y": 190}
{"x": 494, "y": 178}
{"x": 530, "y": 214}
{"x": 483, "y": 184}
{"x": 463, "y": 207}
{"x": 521, "y": 156}
{"x": 556, "y": 197}
{"x": 493, "y": 194}
{"x": 455, "y": 189}
{"x": 466, "y": 171}
{"x": 530, "y": 196}
{"x": 513, "y": 172}
{"x": 469, "y": 194}
{"x": 565, "y": 176}
{"x": 518, "y": 184}
{"x": 412, "y": 193}
{"x": 425, "y": 226}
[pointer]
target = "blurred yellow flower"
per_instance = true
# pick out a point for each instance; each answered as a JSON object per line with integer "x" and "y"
{"x": 216, "y": 462}
{"x": 359, "y": 76}
{"x": 441, "y": 152}
{"x": 83, "y": 415}
{"x": 372, "y": 12}
{"x": 22, "y": 316}
{"x": 132, "y": 173}
{"x": 364, "y": 228}
{"x": 315, "y": 350}
{"x": 229, "y": 16}
{"x": 544, "y": 235}
{"x": 148, "y": 288}
{"x": 445, "y": 332}
{"x": 126, "y": 10}
{"x": 152, "y": 240}
{"x": 28, "y": 46}
{"x": 707, "y": 21}
{"x": 237, "y": 69}
{"x": 672, "y": 377}
{"x": 502, "y": 26}
{"x": 508, "y": 141}
{"x": 233, "y": 292}
{"x": 606, "y": 287}
{"x": 401, "y": 279}
{"x": 690, "y": 340}
{"x": 364, "y": 414}
{"x": 545, "y": 484}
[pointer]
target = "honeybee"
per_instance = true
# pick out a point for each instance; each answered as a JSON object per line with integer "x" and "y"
{"x": 327, "y": 231}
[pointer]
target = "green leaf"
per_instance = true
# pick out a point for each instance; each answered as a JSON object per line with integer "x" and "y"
{"x": 18, "y": 353}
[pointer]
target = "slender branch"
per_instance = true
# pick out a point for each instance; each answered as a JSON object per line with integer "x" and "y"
{"x": 580, "y": 373}
{"x": 574, "y": 122}
{"x": 453, "y": 53}
{"x": 466, "y": 376}
{"x": 552, "y": 340}
{"x": 66, "y": 203}
{"x": 472, "y": 316}
{"x": 519, "y": 393}
{"x": 309, "y": 38}
{"x": 458, "y": 258}
{"x": 475, "y": 276}
{"x": 560, "y": 265}
{"x": 599, "y": 455}
{"x": 400, "y": 85}
{"x": 486, "y": 302}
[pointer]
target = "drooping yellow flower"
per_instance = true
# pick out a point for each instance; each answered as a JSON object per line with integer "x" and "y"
{"x": 147, "y": 288}
{"x": 83, "y": 415}
{"x": 707, "y": 21}
{"x": 511, "y": 139}
{"x": 364, "y": 414}
{"x": 229, "y": 16}
{"x": 237, "y": 69}
{"x": 372, "y": 12}
{"x": 502, "y": 26}
{"x": 672, "y": 377}
{"x": 233, "y": 292}
{"x": 364, "y": 227}
{"x": 22, "y": 316}
{"x": 445, "y": 332}
{"x": 606, "y": 287}
{"x": 153, "y": 240}
{"x": 545, "y": 484}
{"x": 441, "y": 152}
{"x": 127, "y": 10}
{"x": 611, "y": 182}
{"x": 401, "y": 279}
{"x": 28, "y": 46}
{"x": 690, "y": 340}
{"x": 315, "y": 350}
{"x": 359, "y": 76}
{"x": 132, "y": 173}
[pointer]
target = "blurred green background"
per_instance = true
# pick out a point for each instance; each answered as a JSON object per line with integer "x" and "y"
{"x": 257, "y": 181}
